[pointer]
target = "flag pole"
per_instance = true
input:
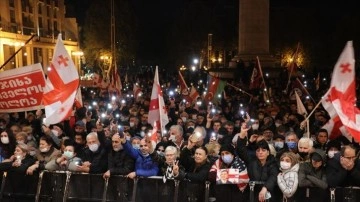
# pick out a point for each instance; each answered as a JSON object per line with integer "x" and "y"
{"x": 262, "y": 76}
{"x": 305, "y": 90}
{"x": 293, "y": 61}
{"x": 13, "y": 55}
{"x": 317, "y": 105}
{"x": 241, "y": 90}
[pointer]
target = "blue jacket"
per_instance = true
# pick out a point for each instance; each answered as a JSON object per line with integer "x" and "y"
{"x": 144, "y": 166}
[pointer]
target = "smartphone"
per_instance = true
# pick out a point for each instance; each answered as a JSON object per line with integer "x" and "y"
{"x": 249, "y": 123}
{"x": 121, "y": 131}
{"x": 78, "y": 163}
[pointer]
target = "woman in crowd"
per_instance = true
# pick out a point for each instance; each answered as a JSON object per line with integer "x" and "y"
{"x": 7, "y": 144}
{"x": 46, "y": 153}
{"x": 236, "y": 190}
{"x": 287, "y": 179}
{"x": 67, "y": 161}
{"x": 263, "y": 170}
{"x": 19, "y": 161}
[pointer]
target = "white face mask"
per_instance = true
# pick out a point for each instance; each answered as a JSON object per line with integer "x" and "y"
{"x": 285, "y": 165}
{"x": 5, "y": 140}
{"x": 44, "y": 150}
{"x": 332, "y": 153}
{"x": 32, "y": 153}
{"x": 68, "y": 154}
{"x": 194, "y": 117}
{"x": 93, "y": 147}
{"x": 183, "y": 119}
{"x": 172, "y": 138}
{"x": 132, "y": 124}
{"x": 278, "y": 124}
{"x": 255, "y": 126}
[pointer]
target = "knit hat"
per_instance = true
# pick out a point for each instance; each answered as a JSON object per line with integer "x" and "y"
{"x": 228, "y": 148}
{"x": 80, "y": 123}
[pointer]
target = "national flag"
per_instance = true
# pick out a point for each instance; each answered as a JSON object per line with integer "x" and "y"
{"x": 183, "y": 87}
{"x": 300, "y": 106}
{"x": 342, "y": 91}
{"x": 215, "y": 88}
{"x": 256, "y": 80}
{"x": 136, "y": 90}
{"x": 115, "y": 81}
{"x": 61, "y": 85}
{"x": 335, "y": 129}
{"x": 78, "y": 99}
{"x": 157, "y": 108}
{"x": 192, "y": 97}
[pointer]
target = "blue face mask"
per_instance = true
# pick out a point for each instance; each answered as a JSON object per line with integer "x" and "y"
{"x": 227, "y": 159}
{"x": 291, "y": 145}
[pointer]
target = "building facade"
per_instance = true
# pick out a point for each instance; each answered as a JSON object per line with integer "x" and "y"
{"x": 21, "y": 19}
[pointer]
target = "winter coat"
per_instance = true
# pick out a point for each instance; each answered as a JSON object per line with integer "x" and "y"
{"x": 288, "y": 181}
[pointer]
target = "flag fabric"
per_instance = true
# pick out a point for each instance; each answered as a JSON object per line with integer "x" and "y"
{"x": 61, "y": 85}
{"x": 193, "y": 95}
{"x": 215, "y": 87}
{"x": 299, "y": 88}
{"x": 157, "y": 108}
{"x": 256, "y": 80}
{"x": 115, "y": 81}
{"x": 182, "y": 84}
{"x": 300, "y": 106}
{"x": 78, "y": 99}
{"x": 136, "y": 90}
{"x": 342, "y": 92}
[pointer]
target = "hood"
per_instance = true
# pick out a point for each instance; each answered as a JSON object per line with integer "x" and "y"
{"x": 321, "y": 153}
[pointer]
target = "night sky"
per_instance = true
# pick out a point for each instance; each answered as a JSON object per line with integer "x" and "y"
{"x": 325, "y": 25}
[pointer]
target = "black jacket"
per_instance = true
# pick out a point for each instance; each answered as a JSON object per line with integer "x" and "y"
{"x": 338, "y": 176}
{"x": 97, "y": 159}
{"x": 120, "y": 163}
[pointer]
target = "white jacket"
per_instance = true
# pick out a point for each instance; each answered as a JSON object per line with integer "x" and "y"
{"x": 288, "y": 181}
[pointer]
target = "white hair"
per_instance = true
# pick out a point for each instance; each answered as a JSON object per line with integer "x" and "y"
{"x": 306, "y": 140}
{"x": 92, "y": 134}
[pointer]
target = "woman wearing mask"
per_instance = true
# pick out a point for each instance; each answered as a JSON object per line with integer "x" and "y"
{"x": 18, "y": 162}
{"x": 46, "y": 153}
{"x": 287, "y": 179}
{"x": 67, "y": 161}
{"x": 229, "y": 160}
{"x": 7, "y": 144}
{"x": 333, "y": 147}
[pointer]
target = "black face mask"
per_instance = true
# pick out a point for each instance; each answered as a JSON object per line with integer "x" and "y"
{"x": 303, "y": 154}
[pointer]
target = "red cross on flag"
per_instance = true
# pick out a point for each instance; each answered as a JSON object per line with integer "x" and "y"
{"x": 342, "y": 91}
{"x": 61, "y": 85}
{"x": 157, "y": 109}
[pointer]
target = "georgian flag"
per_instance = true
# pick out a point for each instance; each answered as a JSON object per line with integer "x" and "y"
{"x": 342, "y": 91}
{"x": 157, "y": 109}
{"x": 61, "y": 85}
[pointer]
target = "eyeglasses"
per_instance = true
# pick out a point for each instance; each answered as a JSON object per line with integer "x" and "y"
{"x": 142, "y": 145}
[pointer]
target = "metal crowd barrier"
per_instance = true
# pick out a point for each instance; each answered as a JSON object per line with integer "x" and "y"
{"x": 62, "y": 186}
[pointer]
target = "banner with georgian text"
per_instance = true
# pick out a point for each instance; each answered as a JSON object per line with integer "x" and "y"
{"x": 21, "y": 89}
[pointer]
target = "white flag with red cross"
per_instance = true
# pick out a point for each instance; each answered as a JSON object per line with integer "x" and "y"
{"x": 61, "y": 85}
{"x": 342, "y": 92}
{"x": 157, "y": 108}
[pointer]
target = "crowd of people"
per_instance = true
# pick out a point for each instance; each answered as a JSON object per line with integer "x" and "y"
{"x": 245, "y": 150}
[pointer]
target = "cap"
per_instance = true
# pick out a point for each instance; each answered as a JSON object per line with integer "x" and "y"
{"x": 80, "y": 123}
{"x": 228, "y": 148}
{"x": 277, "y": 136}
{"x": 316, "y": 157}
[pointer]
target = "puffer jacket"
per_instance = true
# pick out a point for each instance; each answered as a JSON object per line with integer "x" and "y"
{"x": 288, "y": 181}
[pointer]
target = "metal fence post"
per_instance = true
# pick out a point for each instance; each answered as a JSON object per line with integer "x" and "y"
{"x": 3, "y": 181}
{"x": 38, "y": 190}
{"x": 176, "y": 192}
{"x": 105, "y": 189}
{"x": 67, "y": 182}
{"x": 133, "y": 198}
{"x": 207, "y": 189}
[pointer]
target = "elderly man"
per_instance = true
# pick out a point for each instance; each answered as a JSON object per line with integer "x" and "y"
{"x": 95, "y": 159}
{"x": 176, "y": 136}
{"x": 119, "y": 163}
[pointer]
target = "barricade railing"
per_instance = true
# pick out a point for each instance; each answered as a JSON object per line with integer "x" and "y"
{"x": 61, "y": 186}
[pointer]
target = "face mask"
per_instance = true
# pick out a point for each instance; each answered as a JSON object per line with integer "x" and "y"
{"x": 128, "y": 138}
{"x": 44, "y": 150}
{"x": 68, "y": 154}
{"x": 285, "y": 165}
{"x": 194, "y": 117}
{"x": 291, "y": 145}
{"x": 136, "y": 146}
{"x": 303, "y": 154}
{"x": 142, "y": 133}
{"x": 55, "y": 132}
{"x": 29, "y": 137}
{"x": 32, "y": 153}
{"x": 172, "y": 138}
{"x": 191, "y": 127}
{"x": 278, "y": 124}
{"x": 20, "y": 142}
{"x": 279, "y": 145}
{"x": 255, "y": 126}
{"x": 227, "y": 159}
{"x": 2, "y": 127}
{"x": 183, "y": 119}
{"x": 132, "y": 124}
{"x": 93, "y": 147}
{"x": 332, "y": 153}
{"x": 160, "y": 153}
{"x": 5, "y": 140}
